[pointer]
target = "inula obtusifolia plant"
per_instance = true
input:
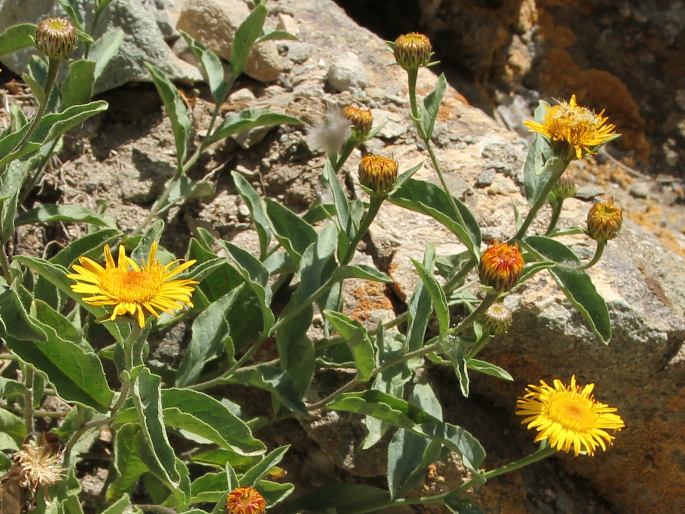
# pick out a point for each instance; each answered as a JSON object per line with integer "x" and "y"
{"x": 75, "y": 325}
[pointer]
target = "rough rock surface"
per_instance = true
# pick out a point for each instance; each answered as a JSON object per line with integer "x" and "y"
{"x": 144, "y": 40}
{"x": 625, "y": 58}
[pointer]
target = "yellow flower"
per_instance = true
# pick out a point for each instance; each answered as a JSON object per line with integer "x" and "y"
{"x": 412, "y": 50}
{"x": 604, "y": 220}
{"x": 568, "y": 417}
{"x": 245, "y": 500}
{"x": 577, "y": 126}
{"x": 361, "y": 119}
{"x": 131, "y": 288}
{"x": 56, "y": 37}
{"x": 378, "y": 173}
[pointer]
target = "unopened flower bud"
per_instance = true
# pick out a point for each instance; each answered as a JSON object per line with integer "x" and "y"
{"x": 497, "y": 319}
{"x": 361, "y": 119}
{"x": 412, "y": 50}
{"x": 604, "y": 221}
{"x": 565, "y": 187}
{"x": 245, "y": 500}
{"x": 500, "y": 266}
{"x": 56, "y": 37}
{"x": 378, "y": 173}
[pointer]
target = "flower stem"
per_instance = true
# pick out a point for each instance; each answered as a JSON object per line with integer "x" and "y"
{"x": 537, "y": 455}
{"x": 542, "y": 198}
{"x": 601, "y": 244}
{"x": 53, "y": 67}
{"x": 556, "y": 211}
{"x": 28, "y": 399}
{"x": 412, "y": 75}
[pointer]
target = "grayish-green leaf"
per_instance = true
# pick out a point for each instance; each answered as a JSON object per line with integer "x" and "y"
{"x": 77, "y": 87}
{"x": 357, "y": 339}
{"x": 51, "y": 213}
{"x": 292, "y": 232}
{"x": 431, "y": 106}
{"x": 437, "y": 296}
{"x": 488, "y": 368}
{"x": 257, "y": 211}
{"x": 17, "y": 37}
{"x": 212, "y": 69}
{"x": 245, "y": 37}
{"x": 104, "y": 49}
{"x": 257, "y": 472}
{"x": 249, "y": 119}
{"x": 360, "y": 271}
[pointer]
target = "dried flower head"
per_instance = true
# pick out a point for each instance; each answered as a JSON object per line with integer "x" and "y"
{"x": 501, "y": 266}
{"x": 245, "y": 500}
{"x": 131, "y": 288}
{"x": 361, "y": 119}
{"x": 38, "y": 465}
{"x": 412, "y": 50}
{"x": 604, "y": 220}
{"x": 579, "y": 127}
{"x": 565, "y": 187}
{"x": 568, "y": 417}
{"x": 378, "y": 173}
{"x": 330, "y": 133}
{"x": 56, "y": 37}
{"x": 497, "y": 319}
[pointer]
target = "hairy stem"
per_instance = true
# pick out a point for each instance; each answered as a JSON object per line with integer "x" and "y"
{"x": 28, "y": 398}
{"x": 556, "y": 211}
{"x": 595, "y": 258}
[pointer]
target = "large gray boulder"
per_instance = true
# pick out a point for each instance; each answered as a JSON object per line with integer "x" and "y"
{"x": 144, "y": 40}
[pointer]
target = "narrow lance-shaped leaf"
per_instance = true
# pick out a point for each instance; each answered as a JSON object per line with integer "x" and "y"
{"x": 104, "y": 49}
{"x": 437, "y": 296}
{"x": 244, "y": 39}
{"x": 257, "y": 211}
{"x": 357, "y": 339}
{"x": 211, "y": 66}
{"x": 249, "y": 119}
{"x": 51, "y": 213}
{"x": 431, "y": 106}
{"x": 420, "y": 306}
{"x": 176, "y": 110}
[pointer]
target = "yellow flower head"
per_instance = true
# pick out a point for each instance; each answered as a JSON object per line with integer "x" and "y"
{"x": 604, "y": 220}
{"x": 579, "y": 127}
{"x": 245, "y": 500}
{"x": 360, "y": 118}
{"x": 501, "y": 266}
{"x": 131, "y": 288}
{"x": 56, "y": 37}
{"x": 378, "y": 173}
{"x": 569, "y": 417}
{"x": 412, "y": 50}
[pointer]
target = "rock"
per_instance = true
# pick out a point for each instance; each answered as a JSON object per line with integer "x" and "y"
{"x": 639, "y": 190}
{"x": 214, "y": 23}
{"x": 143, "y": 42}
{"x": 347, "y": 72}
{"x": 287, "y": 23}
{"x": 298, "y": 52}
{"x": 486, "y": 178}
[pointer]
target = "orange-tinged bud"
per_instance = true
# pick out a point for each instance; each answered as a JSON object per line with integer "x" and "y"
{"x": 497, "y": 319}
{"x": 378, "y": 173}
{"x": 604, "y": 221}
{"x": 56, "y": 37}
{"x": 501, "y": 266}
{"x": 245, "y": 500}
{"x": 412, "y": 50}
{"x": 361, "y": 119}
{"x": 565, "y": 186}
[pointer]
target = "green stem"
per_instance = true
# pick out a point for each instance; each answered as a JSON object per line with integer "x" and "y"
{"x": 160, "y": 509}
{"x": 476, "y": 313}
{"x": 460, "y": 275}
{"x": 571, "y": 231}
{"x": 598, "y": 255}
{"x": 443, "y": 182}
{"x": 556, "y": 211}
{"x": 480, "y": 344}
{"x": 5, "y": 264}
{"x": 53, "y": 67}
{"x": 129, "y": 345}
{"x": 537, "y": 455}
{"x": 412, "y": 75}
{"x": 28, "y": 399}
{"x": 347, "y": 150}
{"x": 542, "y": 198}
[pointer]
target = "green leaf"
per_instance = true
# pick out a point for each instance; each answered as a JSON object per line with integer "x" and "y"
{"x": 538, "y": 153}
{"x": 208, "y": 488}
{"x": 120, "y": 506}
{"x": 409, "y": 454}
{"x": 12, "y": 425}
{"x": 431, "y": 106}
{"x": 128, "y": 462}
{"x": 249, "y": 119}
{"x": 292, "y": 232}
{"x": 182, "y": 189}
{"x": 406, "y": 175}
{"x": 488, "y": 368}
{"x": 257, "y": 472}
{"x": 575, "y": 283}
{"x": 257, "y": 211}
{"x": 274, "y": 380}
{"x": 198, "y": 413}
{"x": 11, "y": 182}
{"x": 276, "y": 35}
{"x": 75, "y": 372}
{"x": 36, "y": 89}
{"x": 102, "y": 5}
{"x": 212, "y": 69}
{"x": 437, "y": 296}
{"x": 77, "y": 87}
{"x": 17, "y": 37}
{"x": 50, "y": 127}
{"x": 404, "y": 415}
{"x": 176, "y": 110}
{"x": 244, "y": 38}
{"x": 148, "y": 403}
{"x": 357, "y": 339}
{"x": 104, "y": 49}
{"x": 360, "y": 271}
{"x": 72, "y": 9}
{"x": 431, "y": 200}
{"x": 209, "y": 333}
{"x": 90, "y": 245}
{"x": 458, "y": 505}
{"x": 342, "y": 206}
{"x": 51, "y": 213}
{"x": 152, "y": 235}
{"x": 420, "y": 306}
{"x": 340, "y": 498}
{"x": 456, "y": 354}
